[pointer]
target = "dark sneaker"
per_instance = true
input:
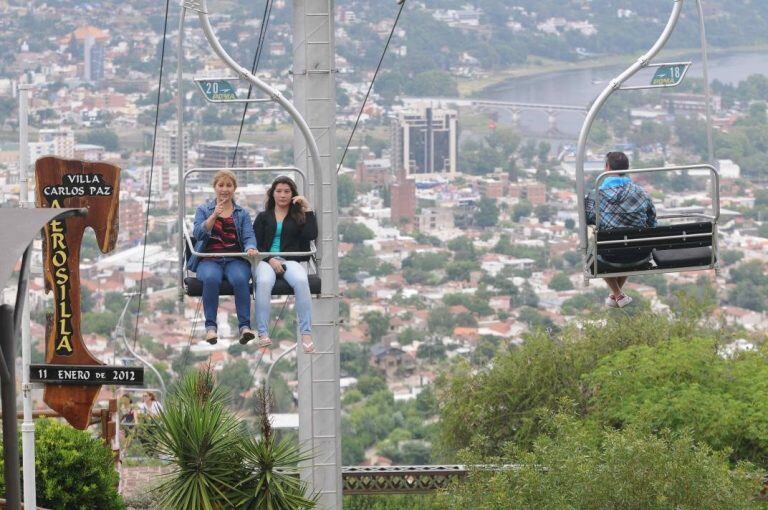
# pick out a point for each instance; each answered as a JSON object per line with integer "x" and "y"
{"x": 246, "y": 335}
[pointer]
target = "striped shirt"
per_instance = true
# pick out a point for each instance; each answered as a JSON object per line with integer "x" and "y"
{"x": 223, "y": 236}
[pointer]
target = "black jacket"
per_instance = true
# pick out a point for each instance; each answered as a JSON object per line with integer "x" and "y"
{"x": 294, "y": 237}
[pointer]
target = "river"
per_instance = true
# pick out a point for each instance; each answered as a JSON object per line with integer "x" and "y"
{"x": 580, "y": 87}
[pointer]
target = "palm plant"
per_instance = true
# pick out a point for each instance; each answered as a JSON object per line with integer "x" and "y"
{"x": 274, "y": 483}
{"x": 216, "y": 464}
{"x": 204, "y": 442}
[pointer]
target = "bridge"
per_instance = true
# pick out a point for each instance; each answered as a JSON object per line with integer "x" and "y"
{"x": 514, "y": 108}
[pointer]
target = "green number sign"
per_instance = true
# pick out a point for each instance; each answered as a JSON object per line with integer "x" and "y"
{"x": 218, "y": 90}
{"x": 669, "y": 75}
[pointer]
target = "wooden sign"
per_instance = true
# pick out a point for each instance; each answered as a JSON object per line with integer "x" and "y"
{"x": 72, "y": 183}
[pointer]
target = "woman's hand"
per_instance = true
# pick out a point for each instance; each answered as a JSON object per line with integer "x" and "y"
{"x": 277, "y": 265}
{"x": 302, "y": 202}
{"x": 251, "y": 252}
{"x": 219, "y": 210}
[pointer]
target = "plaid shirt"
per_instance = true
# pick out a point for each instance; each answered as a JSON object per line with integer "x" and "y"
{"x": 623, "y": 206}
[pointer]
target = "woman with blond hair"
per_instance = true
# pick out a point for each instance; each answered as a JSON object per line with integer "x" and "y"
{"x": 222, "y": 226}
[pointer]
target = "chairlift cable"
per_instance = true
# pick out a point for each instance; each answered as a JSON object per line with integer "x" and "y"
{"x": 151, "y": 173}
{"x": 254, "y": 67}
{"x": 373, "y": 81}
{"x": 191, "y": 334}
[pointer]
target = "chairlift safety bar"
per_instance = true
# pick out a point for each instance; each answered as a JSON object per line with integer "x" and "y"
{"x": 260, "y": 255}
{"x": 629, "y": 241}
{"x": 712, "y": 170}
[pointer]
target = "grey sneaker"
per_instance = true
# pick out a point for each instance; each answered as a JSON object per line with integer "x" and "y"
{"x": 211, "y": 336}
{"x": 264, "y": 341}
{"x": 246, "y": 335}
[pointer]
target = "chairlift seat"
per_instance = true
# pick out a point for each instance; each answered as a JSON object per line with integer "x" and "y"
{"x": 683, "y": 257}
{"x": 668, "y": 246}
{"x": 194, "y": 287}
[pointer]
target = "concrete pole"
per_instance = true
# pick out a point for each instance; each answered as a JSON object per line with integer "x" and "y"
{"x": 28, "y": 425}
{"x": 314, "y": 89}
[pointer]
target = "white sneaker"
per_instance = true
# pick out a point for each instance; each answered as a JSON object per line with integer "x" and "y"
{"x": 610, "y": 302}
{"x": 623, "y": 300}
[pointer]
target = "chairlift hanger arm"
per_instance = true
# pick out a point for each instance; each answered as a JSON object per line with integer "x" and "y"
{"x": 614, "y": 85}
{"x": 200, "y": 6}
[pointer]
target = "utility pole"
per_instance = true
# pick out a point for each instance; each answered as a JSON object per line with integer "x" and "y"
{"x": 28, "y": 424}
{"x": 314, "y": 87}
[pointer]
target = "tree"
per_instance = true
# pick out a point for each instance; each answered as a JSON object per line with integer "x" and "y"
{"x": 73, "y": 469}
{"x": 236, "y": 377}
{"x": 487, "y": 213}
{"x": 560, "y": 282}
{"x": 105, "y": 137}
{"x": 463, "y": 248}
{"x": 521, "y": 210}
{"x": 101, "y": 323}
{"x": 685, "y": 383}
{"x": 355, "y": 233}
{"x": 378, "y": 325}
{"x": 432, "y": 83}
{"x": 588, "y": 468}
{"x": 544, "y": 212}
{"x": 440, "y": 321}
{"x": 347, "y": 191}
{"x": 459, "y": 270}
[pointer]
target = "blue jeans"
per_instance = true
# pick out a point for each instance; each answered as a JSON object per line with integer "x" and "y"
{"x": 238, "y": 272}
{"x": 296, "y": 277}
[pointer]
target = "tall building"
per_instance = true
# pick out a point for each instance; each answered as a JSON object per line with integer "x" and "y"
{"x": 63, "y": 141}
{"x": 219, "y": 154}
{"x": 425, "y": 141}
{"x": 167, "y": 147}
{"x": 93, "y": 59}
{"x": 88, "y": 42}
{"x": 403, "y": 200}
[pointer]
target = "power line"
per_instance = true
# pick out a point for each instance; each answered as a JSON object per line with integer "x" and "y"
{"x": 370, "y": 87}
{"x": 151, "y": 172}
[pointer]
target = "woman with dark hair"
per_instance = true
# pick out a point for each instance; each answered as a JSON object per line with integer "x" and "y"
{"x": 286, "y": 225}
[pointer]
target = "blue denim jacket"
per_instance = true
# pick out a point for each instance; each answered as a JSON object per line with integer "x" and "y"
{"x": 245, "y": 235}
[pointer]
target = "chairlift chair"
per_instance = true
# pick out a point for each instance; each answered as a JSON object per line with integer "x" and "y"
{"x": 688, "y": 244}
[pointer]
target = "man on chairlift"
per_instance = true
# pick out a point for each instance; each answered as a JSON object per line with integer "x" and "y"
{"x": 623, "y": 204}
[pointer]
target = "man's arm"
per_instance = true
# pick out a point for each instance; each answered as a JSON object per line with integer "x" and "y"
{"x": 589, "y": 206}
{"x": 651, "y": 211}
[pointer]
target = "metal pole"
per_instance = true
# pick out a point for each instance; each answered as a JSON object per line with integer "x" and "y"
{"x": 202, "y": 10}
{"x": 314, "y": 86}
{"x": 707, "y": 89}
{"x": 614, "y": 85}
{"x": 28, "y": 424}
{"x": 120, "y": 330}
{"x": 180, "y": 152}
{"x": 8, "y": 396}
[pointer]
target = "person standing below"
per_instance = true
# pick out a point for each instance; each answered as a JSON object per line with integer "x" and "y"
{"x": 286, "y": 225}
{"x": 623, "y": 204}
{"x": 222, "y": 226}
{"x": 149, "y": 405}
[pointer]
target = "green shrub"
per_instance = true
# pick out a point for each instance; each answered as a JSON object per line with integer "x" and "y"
{"x": 687, "y": 384}
{"x": 74, "y": 470}
{"x": 577, "y": 467}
